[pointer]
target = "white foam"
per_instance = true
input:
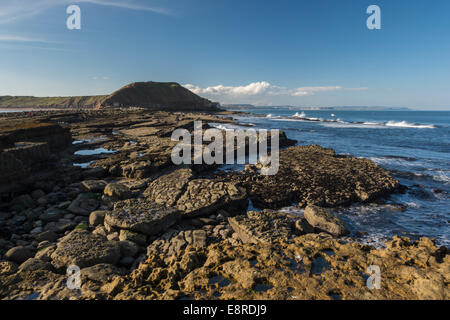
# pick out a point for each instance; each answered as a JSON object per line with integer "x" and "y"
{"x": 404, "y": 124}
{"x": 441, "y": 176}
{"x": 301, "y": 115}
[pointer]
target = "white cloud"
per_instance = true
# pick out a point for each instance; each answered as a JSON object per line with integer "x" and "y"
{"x": 12, "y": 10}
{"x": 23, "y": 39}
{"x": 261, "y": 92}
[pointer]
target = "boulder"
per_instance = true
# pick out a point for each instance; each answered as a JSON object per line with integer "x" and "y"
{"x": 83, "y": 205}
{"x": 142, "y": 216}
{"x": 97, "y": 217}
{"x": 18, "y": 254}
{"x": 128, "y": 248}
{"x": 117, "y": 191}
{"x": 323, "y": 219}
{"x": 101, "y": 272}
{"x": 85, "y": 249}
{"x": 138, "y": 238}
{"x": 51, "y": 215}
{"x": 34, "y": 264}
{"x": 46, "y": 236}
{"x": 95, "y": 186}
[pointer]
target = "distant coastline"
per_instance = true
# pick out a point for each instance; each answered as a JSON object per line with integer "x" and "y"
{"x": 332, "y": 108}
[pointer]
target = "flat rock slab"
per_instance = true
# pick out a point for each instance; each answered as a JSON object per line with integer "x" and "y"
{"x": 204, "y": 197}
{"x": 262, "y": 227}
{"x": 317, "y": 176}
{"x": 85, "y": 249}
{"x": 168, "y": 188}
{"x": 142, "y": 216}
{"x": 196, "y": 197}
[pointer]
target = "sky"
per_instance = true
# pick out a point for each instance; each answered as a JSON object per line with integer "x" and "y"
{"x": 284, "y": 52}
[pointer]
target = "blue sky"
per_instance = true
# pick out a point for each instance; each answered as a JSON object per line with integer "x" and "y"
{"x": 299, "y": 52}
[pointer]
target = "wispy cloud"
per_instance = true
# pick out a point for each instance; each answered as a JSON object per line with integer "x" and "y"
{"x": 21, "y": 39}
{"x": 12, "y": 10}
{"x": 261, "y": 91}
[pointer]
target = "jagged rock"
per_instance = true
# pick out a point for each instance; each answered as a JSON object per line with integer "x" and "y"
{"x": 83, "y": 205}
{"x": 262, "y": 227}
{"x": 85, "y": 249}
{"x": 95, "y": 186}
{"x": 7, "y": 268}
{"x": 324, "y": 219}
{"x": 97, "y": 217}
{"x": 142, "y": 216}
{"x": 19, "y": 254}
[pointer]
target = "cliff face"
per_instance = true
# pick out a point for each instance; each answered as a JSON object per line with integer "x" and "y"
{"x": 158, "y": 95}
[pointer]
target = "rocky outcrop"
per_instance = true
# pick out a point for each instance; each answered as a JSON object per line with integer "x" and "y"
{"x": 25, "y": 148}
{"x": 317, "y": 176}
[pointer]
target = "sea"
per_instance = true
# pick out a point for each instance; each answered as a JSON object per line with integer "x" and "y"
{"x": 414, "y": 146}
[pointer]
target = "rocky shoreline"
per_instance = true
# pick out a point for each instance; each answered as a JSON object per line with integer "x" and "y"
{"x": 98, "y": 189}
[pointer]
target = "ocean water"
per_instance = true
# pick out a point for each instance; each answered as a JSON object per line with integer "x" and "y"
{"x": 413, "y": 145}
